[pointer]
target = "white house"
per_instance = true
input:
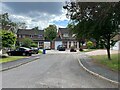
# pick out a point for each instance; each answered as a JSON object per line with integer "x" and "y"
{"x": 116, "y": 46}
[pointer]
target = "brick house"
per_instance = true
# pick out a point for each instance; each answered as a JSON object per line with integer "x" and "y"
{"x": 36, "y": 35}
{"x": 66, "y": 38}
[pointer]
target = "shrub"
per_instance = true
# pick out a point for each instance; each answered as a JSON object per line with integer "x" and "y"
{"x": 40, "y": 51}
{"x": 33, "y": 45}
{"x": 90, "y": 44}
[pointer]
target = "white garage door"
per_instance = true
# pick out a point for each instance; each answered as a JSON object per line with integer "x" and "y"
{"x": 57, "y": 43}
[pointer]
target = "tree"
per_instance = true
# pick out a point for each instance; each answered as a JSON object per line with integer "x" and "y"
{"x": 36, "y": 28}
{"x": 6, "y": 23}
{"x": 9, "y": 25}
{"x": 51, "y": 32}
{"x": 98, "y": 20}
{"x": 8, "y": 38}
{"x": 21, "y": 25}
{"x": 33, "y": 45}
{"x": 89, "y": 44}
{"x": 27, "y": 42}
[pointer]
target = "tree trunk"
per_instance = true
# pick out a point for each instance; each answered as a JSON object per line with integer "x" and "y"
{"x": 108, "y": 53}
{"x": 108, "y": 48}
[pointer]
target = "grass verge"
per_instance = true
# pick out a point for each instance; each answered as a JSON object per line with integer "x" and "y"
{"x": 11, "y": 58}
{"x": 113, "y": 64}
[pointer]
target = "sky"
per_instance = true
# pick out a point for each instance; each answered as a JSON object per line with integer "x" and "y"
{"x": 40, "y": 14}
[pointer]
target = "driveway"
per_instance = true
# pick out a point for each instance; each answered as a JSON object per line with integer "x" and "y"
{"x": 52, "y": 70}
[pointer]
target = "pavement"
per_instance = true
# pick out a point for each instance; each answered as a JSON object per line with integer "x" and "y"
{"x": 88, "y": 63}
{"x": 101, "y": 52}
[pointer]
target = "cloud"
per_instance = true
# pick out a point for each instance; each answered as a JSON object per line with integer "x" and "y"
{"x": 40, "y": 17}
{"x": 42, "y": 7}
{"x": 5, "y": 8}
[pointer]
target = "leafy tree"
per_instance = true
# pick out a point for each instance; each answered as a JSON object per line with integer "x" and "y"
{"x": 36, "y": 28}
{"x": 51, "y": 32}
{"x": 98, "y": 20}
{"x": 21, "y": 25}
{"x": 89, "y": 44}
{"x": 6, "y": 22}
{"x": 33, "y": 45}
{"x": 27, "y": 42}
{"x": 8, "y": 38}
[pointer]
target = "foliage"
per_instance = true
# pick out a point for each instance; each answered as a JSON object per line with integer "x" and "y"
{"x": 40, "y": 52}
{"x": 8, "y": 38}
{"x": 33, "y": 45}
{"x": 6, "y": 22}
{"x": 51, "y": 32}
{"x": 98, "y": 20}
{"x": 89, "y": 44}
{"x": 27, "y": 42}
{"x": 72, "y": 47}
{"x": 36, "y": 28}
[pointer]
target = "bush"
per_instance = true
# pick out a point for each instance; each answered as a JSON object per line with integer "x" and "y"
{"x": 33, "y": 45}
{"x": 90, "y": 44}
{"x": 40, "y": 51}
{"x": 72, "y": 47}
{"x": 27, "y": 42}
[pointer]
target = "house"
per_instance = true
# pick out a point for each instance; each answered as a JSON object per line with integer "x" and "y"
{"x": 66, "y": 38}
{"x": 36, "y": 35}
{"x": 117, "y": 44}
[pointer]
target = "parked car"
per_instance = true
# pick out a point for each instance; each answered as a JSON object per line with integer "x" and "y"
{"x": 72, "y": 49}
{"x": 22, "y": 51}
{"x": 61, "y": 48}
{"x": 34, "y": 50}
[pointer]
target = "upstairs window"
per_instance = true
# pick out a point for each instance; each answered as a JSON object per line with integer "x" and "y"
{"x": 65, "y": 35}
{"x": 39, "y": 36}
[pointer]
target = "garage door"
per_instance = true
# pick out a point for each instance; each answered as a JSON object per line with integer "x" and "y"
{"x": 57, "y": 43}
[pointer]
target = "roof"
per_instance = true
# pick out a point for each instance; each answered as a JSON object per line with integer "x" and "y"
{"x": 30, "y": 32}
{"x": 58, "y": 39}
{"x": 64, "y": 30}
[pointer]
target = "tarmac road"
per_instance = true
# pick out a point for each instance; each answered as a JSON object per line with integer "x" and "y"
{"x": 55, "y": 70}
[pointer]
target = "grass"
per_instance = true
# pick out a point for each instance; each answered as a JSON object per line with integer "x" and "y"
{"x": 11, "y": 58}
{"x": 113, "y": 64}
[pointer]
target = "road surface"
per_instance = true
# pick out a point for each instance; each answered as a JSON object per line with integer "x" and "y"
{"x": 53, "y": 70}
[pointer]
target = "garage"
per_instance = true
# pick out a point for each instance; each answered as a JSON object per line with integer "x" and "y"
{"x": 57, "y": 43}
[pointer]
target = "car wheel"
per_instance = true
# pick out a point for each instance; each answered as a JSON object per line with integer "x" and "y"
{"x": 9, "y": 54}
{"x": 24, "y": 54}
{"x": 29, "y": 54}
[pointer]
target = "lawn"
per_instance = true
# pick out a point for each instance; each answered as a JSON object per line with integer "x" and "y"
{"x": 113, "y": 64}
{"x": 11, "y": 58}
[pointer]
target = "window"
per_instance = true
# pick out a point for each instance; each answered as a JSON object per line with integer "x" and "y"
{"x": 31, "y": 36}
{"x": 23, "y": 36}
{"x": 20, "y": 36}
{"x": 65, "y": 35}
{"x": 39, "y": 36}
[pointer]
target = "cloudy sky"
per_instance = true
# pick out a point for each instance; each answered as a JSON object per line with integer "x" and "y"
{"x": 40, "y": 14}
